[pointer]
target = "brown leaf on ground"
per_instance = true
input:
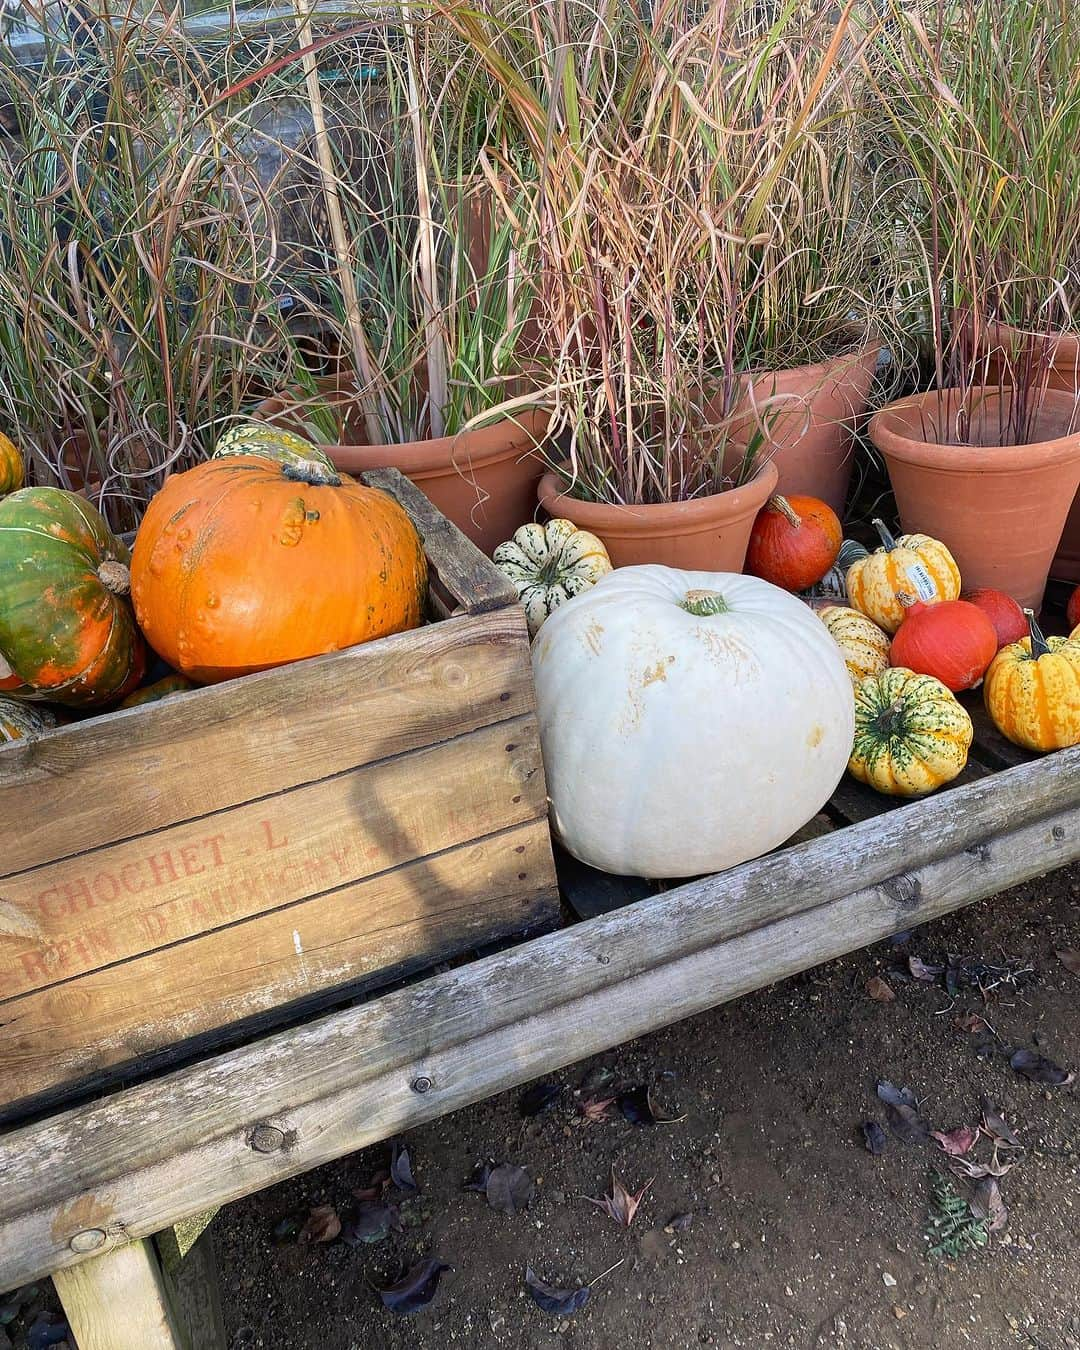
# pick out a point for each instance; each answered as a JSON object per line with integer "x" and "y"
{"x": 956, "y": 1142}
{"x": 986, "y": 1203}
{"x": 621, "y": 1205}
{"x": 969, "y": 1023}
{"x": 595, "y": 1109}
{"x": 1070, "y": 959}
{"x": 880, "y": 990}
{"x": 323, "y": 1225}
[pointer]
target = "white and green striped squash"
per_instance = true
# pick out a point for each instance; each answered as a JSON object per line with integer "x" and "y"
{"x": 550, "y": 564}
{"x": 19, "y": 720}
{"x": 911, "y": 734}
{"x": 270, "y": 442}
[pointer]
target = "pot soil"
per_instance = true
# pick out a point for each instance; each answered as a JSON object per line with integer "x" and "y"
{"x": 708, "y": 534}
{"x": 1000, "y": 509}
{"x": 1064, "y": 373}
{"x": 807, "y": 417}
{"x": 484, "y": 480}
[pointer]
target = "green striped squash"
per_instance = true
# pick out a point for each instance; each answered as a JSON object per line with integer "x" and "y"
{"x": 67, "y": 629}
{"x": 911, "y": 735}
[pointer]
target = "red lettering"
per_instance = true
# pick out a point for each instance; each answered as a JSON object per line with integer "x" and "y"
{"x": 35, "y": 964}
{"x": 45, "y": 901}
{"x": 76, "y": 892}
{"x": 160, "y": 864}
{"x": 153, "y": 925}
{"x": 128, "y": 873}
{"x": 189, "y": 858}
{"x": 214, "y": 845}
{"x": 98, "y": 885}
{"x": 268, "y": 830}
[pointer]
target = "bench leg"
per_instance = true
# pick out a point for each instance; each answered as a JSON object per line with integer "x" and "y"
{"x": 118, "y": 1301}
{"x": 194, "y": 1289}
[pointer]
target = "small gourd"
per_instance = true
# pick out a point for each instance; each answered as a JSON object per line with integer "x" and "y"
{"x": 864, "y": 645}
{"x": 550, "y": 564}
{"x": 911, "y": 734}
{"x": 269, "y": 442}
{"x": 914, "y": 564}
{"x": 953, "y": 640}
{"x": 794, "y": 542}
{"x": 1032, "y": 690}
{"x": 12, "y": 467}
{"x": 153, "y": 693}
{"x": 19, "y": 720}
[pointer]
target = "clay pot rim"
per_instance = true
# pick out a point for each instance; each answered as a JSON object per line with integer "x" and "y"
{"x": 858, "y": 355}
{"x": 471, "y": 448}
{"x": 891, "y": 431}
{"x": 1060, "y": 339}
{"x": 649, "y": 519}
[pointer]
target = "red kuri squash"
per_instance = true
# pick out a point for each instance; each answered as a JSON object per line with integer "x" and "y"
{"x": 952, "y": 640}
{"x": 1072, "y": 609}
{"x": 242, "y": 564}
{"x": 1004, "y": 613}
{"x": 794, "y": 542}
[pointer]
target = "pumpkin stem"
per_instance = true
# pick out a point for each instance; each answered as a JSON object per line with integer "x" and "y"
{"x": 850, "y": 553}
{"x": 312, "y": 473}
{"x": 786, "y": 509}
{"x": 1039, "y": 644}
{"x": 908, "y": 601}
{"x": 703, "y": 603}
{"x": 115, "y": 576}
{"x": 884, "y": 535}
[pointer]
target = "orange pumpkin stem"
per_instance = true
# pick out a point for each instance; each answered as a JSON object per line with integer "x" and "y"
{"x": 114, "y": 576}
{"x": 786, "y": 509}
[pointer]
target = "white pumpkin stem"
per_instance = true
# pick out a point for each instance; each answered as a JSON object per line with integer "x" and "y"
{"x": 703, "y": 603}
{"x": 781, "y": 504}
{"x": 115, "y": 576}
{"x": 1039, "y": 644}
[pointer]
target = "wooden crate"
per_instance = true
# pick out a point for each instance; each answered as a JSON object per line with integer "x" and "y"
{"x": 179, "y": 869}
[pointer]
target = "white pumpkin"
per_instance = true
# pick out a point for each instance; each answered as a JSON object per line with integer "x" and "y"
{"x": 549, "y": 564}
{"x": 689, "y": 720}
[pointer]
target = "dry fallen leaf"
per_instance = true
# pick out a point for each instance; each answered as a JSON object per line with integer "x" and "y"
{"x": 880, "y": 990}
{"x": 621, "y": 1205}
{"x": 595, "y": 1109}
{"x": 986, "y": 1203}
{"x": 1070, "y": 959}
{"x": 322, "y": 1225}
{"x": 956, "y": 1142}
{"x": 970, "y": 1022}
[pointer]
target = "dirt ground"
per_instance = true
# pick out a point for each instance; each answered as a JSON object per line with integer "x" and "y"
{"x": 788, "y": 1232}
{"x": 798, "y": 1235}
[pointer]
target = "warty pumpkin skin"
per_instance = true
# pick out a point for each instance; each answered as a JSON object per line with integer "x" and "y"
{"x": 911, "y": 734}
{"x": 864, "y": 645}
{"x": 550, "y": 564}
{"x": 914, "y": 564}
{"x": 242, "y": 564}
{"x": 689, "y": 720}
{"x": 12, "y": 468}
{"x": 1032, "y": 691}
{"x": 67, "y": 630}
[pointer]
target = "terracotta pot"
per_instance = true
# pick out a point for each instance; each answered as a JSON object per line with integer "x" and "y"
{"x": 709, "y": 534}
{"x": 808, "y": 416}
{"x": 1000, "y": 509}
{"x": 483, "y": 480}
{"x": 1064, "y": 374}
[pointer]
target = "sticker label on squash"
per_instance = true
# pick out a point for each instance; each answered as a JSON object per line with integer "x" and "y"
{"x": 923, "y": 582}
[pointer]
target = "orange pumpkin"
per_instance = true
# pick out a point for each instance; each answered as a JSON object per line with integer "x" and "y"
{"x": 243, "y": 564}
{"x": 12, "y": 469}
{"x": 794, "y": 542}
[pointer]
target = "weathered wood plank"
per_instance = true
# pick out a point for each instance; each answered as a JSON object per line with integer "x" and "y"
{"x": 360, "y": 935}
{"x": 64, "y": 919}
{"x": 145, "y": 768}
{"x": 467, "y": 574}
{"x": 322, "y": 1090}
{"x": 118, "y": 1301}
{"x": 194, "y": 1291}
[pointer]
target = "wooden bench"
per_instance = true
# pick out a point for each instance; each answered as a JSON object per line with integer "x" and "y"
{"x": 97, "y": 1195}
